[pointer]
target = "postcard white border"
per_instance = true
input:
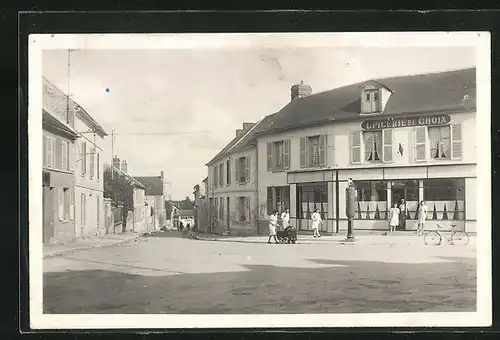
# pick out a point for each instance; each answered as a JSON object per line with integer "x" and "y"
{"x": 38, "y": 43}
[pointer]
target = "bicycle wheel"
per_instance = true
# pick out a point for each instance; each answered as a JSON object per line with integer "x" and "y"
{"x": 460, "y": 238}
{"x": 432, "y": 238}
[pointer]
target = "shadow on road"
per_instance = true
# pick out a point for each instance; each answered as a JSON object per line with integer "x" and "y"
{"x": 356, "y": 287}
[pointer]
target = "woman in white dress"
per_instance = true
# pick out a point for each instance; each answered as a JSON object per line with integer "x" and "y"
{"x": 394, "y": 218}
{"x": 422, "y": 215}
{"x": 273, "y": 221}
{"x": 316, "y": 221}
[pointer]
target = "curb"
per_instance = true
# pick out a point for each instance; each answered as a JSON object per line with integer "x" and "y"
{"x": 92, "y": 246}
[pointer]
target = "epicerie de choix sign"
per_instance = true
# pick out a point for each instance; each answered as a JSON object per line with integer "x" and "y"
{"x": 400, "y": 122}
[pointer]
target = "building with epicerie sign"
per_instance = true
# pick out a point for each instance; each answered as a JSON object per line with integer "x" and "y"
{"x": 410, "y": 137}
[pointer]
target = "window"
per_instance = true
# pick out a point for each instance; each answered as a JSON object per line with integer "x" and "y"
{"x": 312, "y": 196}
{"x": 221, "y": 174}
{"x": 442, "y": 142}
{"x": 242, "y": 170}
{"x": 313, "y": 151}
{"x": 83, "y": 158}
{"x": 92, "y": 168}
{"x": 221, "y": 208}
{"x": 372, "y": 141}
{"x": 278, "y": 198}
{"x": 445, "y": 198}
{"x": 278, "y": 155}
{"x": 371, "y": 200}
{"x": 49, "y": 151}
{"x": 228, "y": 172}
{"x": 243, "y": 209}
{"x": 216, "y": 175}
{"x": 439, "y": 142}
{"x": 371, "y": 101}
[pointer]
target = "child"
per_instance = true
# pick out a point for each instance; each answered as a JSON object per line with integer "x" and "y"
{"x": 316, "y": 221}
{"x": 422, "y": 214}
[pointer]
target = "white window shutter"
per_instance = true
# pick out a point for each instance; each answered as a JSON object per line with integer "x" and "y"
{"x": 387, "y": 137}
{"x": 237, "y": 170}
{"x": 60, "y": 203}
{"x": 45, "y": 150}
{"x": 286, "y": 154}
{"x": 322, "y": 150}
{"x": 269, "y": 156}
{"x": 72, "y": 204}
{"x": 420, "y": 143}
{"x": 247, "y": 169}
{"x": 356, "y": 147}
{"x": 302, "y": 152}
{"x": 456, "y": 141}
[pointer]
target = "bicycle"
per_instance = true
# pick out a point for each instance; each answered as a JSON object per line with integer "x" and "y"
{"x": 435, "y": 237}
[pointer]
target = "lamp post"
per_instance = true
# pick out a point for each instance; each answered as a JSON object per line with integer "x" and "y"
{"x": 350, "y": 210}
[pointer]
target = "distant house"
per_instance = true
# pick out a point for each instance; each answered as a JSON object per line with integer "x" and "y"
{"x": 155, "y": 200}
{"x": 126, "y": 190}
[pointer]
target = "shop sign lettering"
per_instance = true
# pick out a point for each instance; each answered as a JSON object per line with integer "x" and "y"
{"x": 401, "y": 122}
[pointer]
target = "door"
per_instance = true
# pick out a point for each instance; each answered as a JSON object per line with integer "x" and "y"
{"x": 228, "y": 214}
{"x": 398, "y": 194}
{"x": 48, "y": 213}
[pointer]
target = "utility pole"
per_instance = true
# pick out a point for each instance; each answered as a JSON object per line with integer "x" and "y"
{"x": 112, "y": 151}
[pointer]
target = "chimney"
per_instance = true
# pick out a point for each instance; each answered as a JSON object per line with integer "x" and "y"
{"x": 300, "y": 90}
{"x": 116, "y": 162}
{"x": 247, "y": 126}
{"x": 124, "y": 166}
{"x": 239, "y": 132}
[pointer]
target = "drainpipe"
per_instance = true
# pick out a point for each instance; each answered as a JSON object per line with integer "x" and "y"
{"x": 257, "y": 186}
{"x": 337, "y": 205}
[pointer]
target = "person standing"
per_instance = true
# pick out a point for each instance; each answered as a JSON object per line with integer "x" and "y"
{"x": 422, "y": 215}
{"x": 394, "y": 218}
{"x": 285, "y": 219}
{"x": 273, "y": 221}
{"x": 316, "y": 221}
{"x": 402, "y": 214}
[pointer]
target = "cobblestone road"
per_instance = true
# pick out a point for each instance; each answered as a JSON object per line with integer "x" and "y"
{"x": 173, "y": 275}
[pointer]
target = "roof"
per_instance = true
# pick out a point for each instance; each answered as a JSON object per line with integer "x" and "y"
{"x": 134, "y": 181}
{"x": 238, "y": 143}
{"x": 50, "y": 121}
{"x": 57, "y": 102}
{"x": 443, "y": 91}
{"x": 153, "y": 184}
{"x": 185, "y": 212}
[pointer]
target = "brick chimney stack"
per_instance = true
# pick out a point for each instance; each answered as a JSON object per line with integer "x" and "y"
{"x": 239, "y": 132}
{"x": 116, "y": 162}
{"x": 124, "y": 166}
{"x": 300, "y": 90}
{"x": 247, "y": 126}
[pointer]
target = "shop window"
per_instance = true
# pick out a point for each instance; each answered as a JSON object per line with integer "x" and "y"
{"x": 310, "y": 197}
{"x": 445, "y": 198}
{"x": 278, "y": 198}
{"x": 371, "y": 200}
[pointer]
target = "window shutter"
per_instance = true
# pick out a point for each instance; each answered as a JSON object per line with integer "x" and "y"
{"x": 322, "y": 150}
{"x": 456, "y": 141}
{"x": 420, "y": 143}
{"x": 44, "y": 151}
{"x": 83, "y": 158}
{"x": 286, "y": 154}
{"x": 58, "y": 151}
{"x": 387, "y": 141}
{"x": 270, "y": 205}
{"x": 92, "y": 168}
{"x": 269, "y": 156}
{"x": 247, "y": 169}
{"x": 98, "y": 167}
{"x": 237, "y": 170}
{"x": 303, "y": 152}
{"x": 356, "y": 147}
{"x": 247, "y": 209}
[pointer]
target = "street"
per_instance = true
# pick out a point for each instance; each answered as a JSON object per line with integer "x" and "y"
{"x": 171, "y": 275}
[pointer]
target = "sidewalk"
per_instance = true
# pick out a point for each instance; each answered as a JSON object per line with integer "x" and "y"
{"x": 50, "y": 250}
{"x": 363, "y": 239}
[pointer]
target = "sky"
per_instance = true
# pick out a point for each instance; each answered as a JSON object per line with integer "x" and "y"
{"x": 174, "y": 109}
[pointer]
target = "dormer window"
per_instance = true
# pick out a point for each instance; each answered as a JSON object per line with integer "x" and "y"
{"x": 372, "y": 101}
